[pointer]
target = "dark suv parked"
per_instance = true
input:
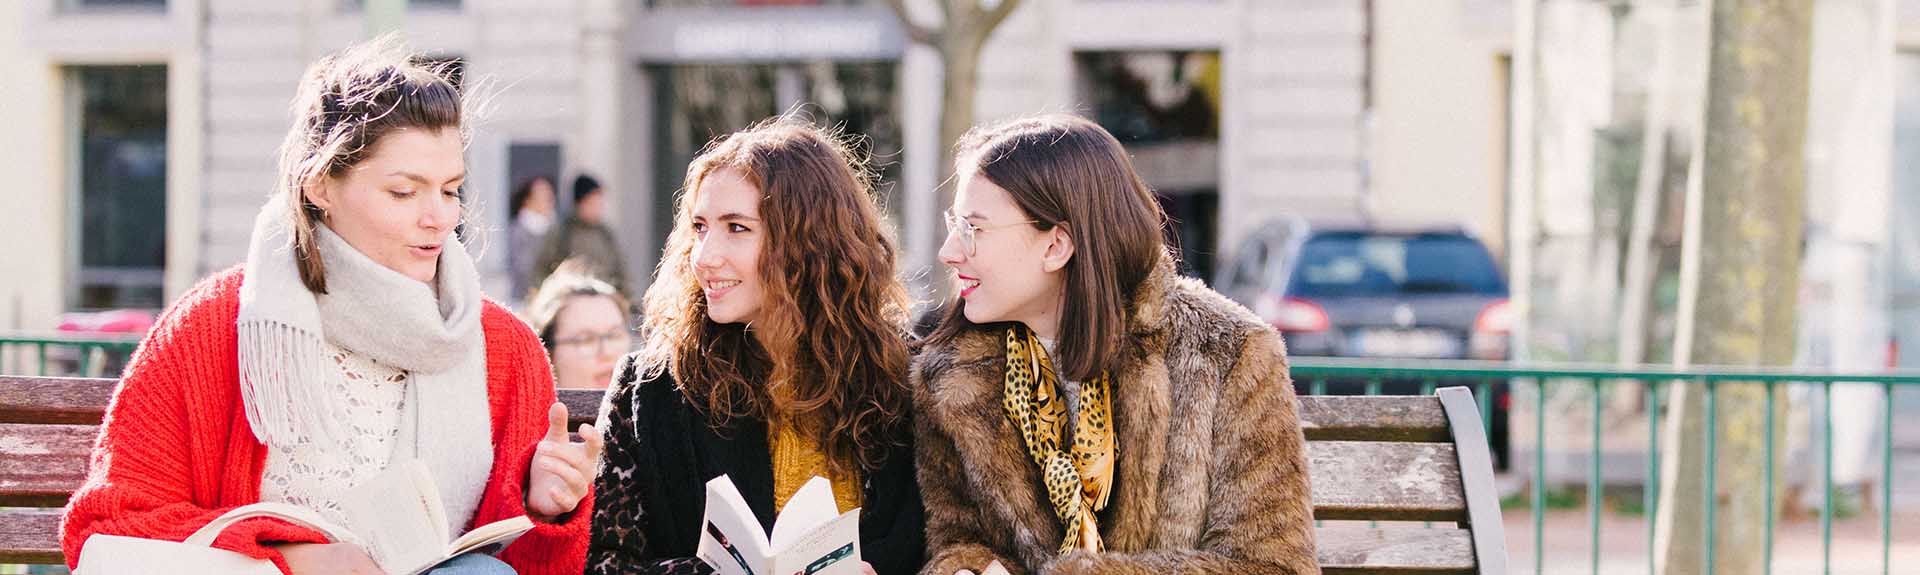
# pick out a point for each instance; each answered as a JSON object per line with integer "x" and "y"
{"x": 1354, "y": 292}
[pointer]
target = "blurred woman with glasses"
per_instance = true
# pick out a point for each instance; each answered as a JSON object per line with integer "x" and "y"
{"x": 583, "y": 322}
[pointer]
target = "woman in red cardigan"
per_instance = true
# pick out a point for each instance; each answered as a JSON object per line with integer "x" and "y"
{"x": 354, "y": 338}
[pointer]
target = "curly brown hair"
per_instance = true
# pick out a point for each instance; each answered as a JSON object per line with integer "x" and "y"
{"x": 836, "y": 364}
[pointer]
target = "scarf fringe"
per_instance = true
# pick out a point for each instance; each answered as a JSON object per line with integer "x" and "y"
{"x": 282, "y": 404}
{"x": 433, "y": 332}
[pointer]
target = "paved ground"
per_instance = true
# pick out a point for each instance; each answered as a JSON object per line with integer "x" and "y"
{"x": 1623, "y": 544}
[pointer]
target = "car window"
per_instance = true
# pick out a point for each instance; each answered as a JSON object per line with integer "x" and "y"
{"x": 1340, "y": 264}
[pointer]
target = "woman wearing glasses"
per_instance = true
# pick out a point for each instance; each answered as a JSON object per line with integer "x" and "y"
{"x": 583, "y": 322}
{"x": 774, "y": 352}
{"x": 1081, "y": 408}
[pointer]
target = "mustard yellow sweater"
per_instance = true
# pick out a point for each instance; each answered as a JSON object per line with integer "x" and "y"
{"x": 798, "y": 458}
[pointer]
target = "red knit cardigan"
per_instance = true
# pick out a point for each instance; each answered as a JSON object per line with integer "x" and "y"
{"x": 175, "y": 450}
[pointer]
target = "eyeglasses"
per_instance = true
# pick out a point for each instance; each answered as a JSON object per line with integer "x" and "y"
{"x": 596, "y": 342}
{"x": 959, "y": 227}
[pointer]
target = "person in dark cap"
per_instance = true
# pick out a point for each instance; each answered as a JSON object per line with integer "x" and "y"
{"x": 586, "y": 238}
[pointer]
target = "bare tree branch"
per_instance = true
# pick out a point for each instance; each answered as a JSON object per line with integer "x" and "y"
{"x": 998, "y": 14}
{"x": 920, "y": 34}
{"x": 947, "y": 17}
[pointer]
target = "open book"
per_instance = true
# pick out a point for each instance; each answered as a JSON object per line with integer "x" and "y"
{"x": 809, "y": 537}
{"x": 398, "y": 517}
{"x": 397, "y": 514}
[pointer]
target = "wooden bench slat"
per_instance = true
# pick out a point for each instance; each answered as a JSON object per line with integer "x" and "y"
{"x": 43, "y": 463}
{"x": 54, "y": 399}
{"x": 84, "y": 401}
{"x": 1372, "y": 458}
{"x": 1387, "y": 481}
{"x": 33, "y": 536}
{"x": 1322, "y": 417}
{"x": 30, "y": 536}
{"x": 583, "y": 405}
{"x": 1352, "y": 480}
{"x": 1375, "y": 418}
{"x": 1359, "y": 550}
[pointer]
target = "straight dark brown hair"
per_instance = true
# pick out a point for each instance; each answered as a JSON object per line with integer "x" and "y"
{"x": 345, "y": 103}
{"x": 1063, "y": 170}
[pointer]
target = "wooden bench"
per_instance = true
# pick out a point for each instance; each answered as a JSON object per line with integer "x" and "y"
{"x": 1382, "y": 468}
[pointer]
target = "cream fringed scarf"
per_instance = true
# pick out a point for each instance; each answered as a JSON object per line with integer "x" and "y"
{"x": 431, "y": 331}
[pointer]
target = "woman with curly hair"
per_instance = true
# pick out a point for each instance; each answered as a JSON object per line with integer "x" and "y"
{"x": 774, "y": 351}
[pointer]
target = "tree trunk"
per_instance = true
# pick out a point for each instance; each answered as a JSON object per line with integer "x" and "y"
{"x": 963, "y": 31}
{"x": 960, "y": 67}
{"x": 1753, "y": 209}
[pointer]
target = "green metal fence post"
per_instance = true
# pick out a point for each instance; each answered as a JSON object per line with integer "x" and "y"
{"x": 1826, "y": 480}
{"x": 1651, "y": 489}
{"x": 1886, "y": 484}
{"x": 1539, "y": 475}
{"x": 1712, "y": 437}
{"x": 1767, "y": 550}
{"x": 1593, "y": 482}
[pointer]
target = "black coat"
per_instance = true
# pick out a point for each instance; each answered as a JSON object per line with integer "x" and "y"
{"x": 650, "y": 492}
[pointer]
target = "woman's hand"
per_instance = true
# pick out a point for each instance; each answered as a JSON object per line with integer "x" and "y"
{"x": 562, "y": 470}
{"x": 329, "y": 559}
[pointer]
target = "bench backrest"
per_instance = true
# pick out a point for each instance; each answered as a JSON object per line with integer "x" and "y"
{"x": 1401, "y": 484}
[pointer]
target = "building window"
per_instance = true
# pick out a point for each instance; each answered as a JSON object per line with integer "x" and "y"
{"x": 120, "y": 170}
{"x": 358, "y": 5}
{"x": 1165, "y": 107}
{"x": 723, "y": 3}
{"x": 695, "y": 103}
{"x": 1905, "y": 207}
{"x": 140, "y": 5}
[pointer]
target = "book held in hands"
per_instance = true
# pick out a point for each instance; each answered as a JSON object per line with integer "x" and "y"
{"x": 399, "y": 516}
{"x": 810, "y": 536}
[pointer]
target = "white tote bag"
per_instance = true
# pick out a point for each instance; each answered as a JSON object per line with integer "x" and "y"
{"x": 116, "y": 555}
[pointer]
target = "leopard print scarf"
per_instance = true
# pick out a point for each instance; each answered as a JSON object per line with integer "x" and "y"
{"x": 1078, "y": 480}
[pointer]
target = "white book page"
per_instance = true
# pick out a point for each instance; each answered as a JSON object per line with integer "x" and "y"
{"x": 397, "y": 516}
{"x": 499, "y": 533}
{"x": 810, "y": 507}
{"x": 830, "y": 549}
{"x": 731, "y": 539}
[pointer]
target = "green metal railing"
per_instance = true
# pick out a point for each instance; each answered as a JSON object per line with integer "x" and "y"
{"x": 1317, "y": 372}
{"x": 64, "y": 355}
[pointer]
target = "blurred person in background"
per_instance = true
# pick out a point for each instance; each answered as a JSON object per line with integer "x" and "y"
{"x": 585, "y": 237}
{"x": 583, "y": 322}
{"x": 531, "y": 208}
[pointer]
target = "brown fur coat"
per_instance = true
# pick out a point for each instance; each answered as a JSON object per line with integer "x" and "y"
{"x": 1211, "y": 476}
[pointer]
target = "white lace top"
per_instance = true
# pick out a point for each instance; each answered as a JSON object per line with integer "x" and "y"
{"x": 314, "y": 477}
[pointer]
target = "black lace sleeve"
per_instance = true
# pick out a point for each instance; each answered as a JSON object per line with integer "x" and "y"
{"x": 618, "y": 545}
